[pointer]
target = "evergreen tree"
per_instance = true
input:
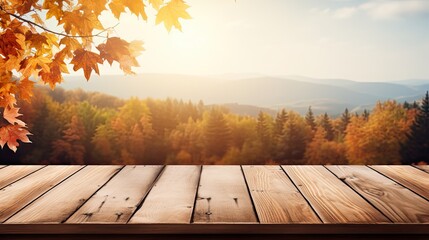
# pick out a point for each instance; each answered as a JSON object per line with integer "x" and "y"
{"x": 309, "y": 118}
{"x": 264, "y": 132}
{"x": 326, "y": 124}
{"x": 365, "y": 114}
{"x": 407, "y": 105}
{"x": 416, "y": 147}
{"x": 295, "y": 138}
{"x": 281, "y": 119}
{"x": 345, "y": 120}
{"x": 217, "y": 134}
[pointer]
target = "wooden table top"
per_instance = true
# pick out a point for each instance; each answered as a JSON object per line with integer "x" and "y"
{"x": 214, "y": 199}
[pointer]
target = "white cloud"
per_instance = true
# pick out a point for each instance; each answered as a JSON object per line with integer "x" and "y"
{"x": 395, "y": 9}
{"x": 385, "y": 9}
{"x": 345, "y": 12}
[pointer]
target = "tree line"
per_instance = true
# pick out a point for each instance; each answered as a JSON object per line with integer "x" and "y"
{"x": 78, "y": 127}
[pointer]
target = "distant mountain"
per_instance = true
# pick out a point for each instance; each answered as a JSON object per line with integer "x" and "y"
{"x": 324, "y": 95}
{"x": 413, "y": 82}
{"x": 247, "y": 110}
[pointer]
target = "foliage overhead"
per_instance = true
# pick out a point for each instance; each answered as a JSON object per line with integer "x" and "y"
{"x": 31, "y": 52}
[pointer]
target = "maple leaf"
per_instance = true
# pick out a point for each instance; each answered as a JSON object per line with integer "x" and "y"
{"x": 37, "y": 19}
{"x": 113, "y": 49}
{"x": 25, "y": 89}
{"x": 86, "y": 60}
{"x": 97, "y": 6}
{"x": 11, "y": 114}
{"x": 135, "y": 48}
{"x": 80, "y": 23}
{"x": 34, "y": 64}
{"x": 7, "y": 100}
{"x": 170, "y": 14}
{"x": 57, "y": 67}
{"x": 54, "y": 9}
{"x": 156, "y": 3}
{"x": 35, "y": 40}
{"x": 10, "y": 134}
{"x": 135, "y": 6}
{"x": 9, "y": 44}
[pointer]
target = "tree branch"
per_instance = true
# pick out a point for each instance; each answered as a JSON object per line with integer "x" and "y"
{"x": 54, "y": 32}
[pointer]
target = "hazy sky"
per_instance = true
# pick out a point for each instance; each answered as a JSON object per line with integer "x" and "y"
{"x": 373, "y": 40}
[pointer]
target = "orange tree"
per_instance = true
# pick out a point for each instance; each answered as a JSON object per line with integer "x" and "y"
{"x": 31, "y": 51}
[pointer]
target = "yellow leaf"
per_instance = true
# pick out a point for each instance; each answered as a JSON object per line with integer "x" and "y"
{"x": 136, "y": 47}
{"x": 78, "y": 23}
{"x": 156, "y": 3}
{"x": 34, "y": 64}
{"x": 170, "y": 14}
{"x": 97, "y": 6}
{"x": 37, "y": 19}
{"x": 135, "y": 6}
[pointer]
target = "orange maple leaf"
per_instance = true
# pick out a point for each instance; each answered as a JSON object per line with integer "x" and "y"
{"x": 9, "y": 44}
{"x": 57, "y": 67}
{"x": 10, "y": 135}
{"x": 11, "y": 114}
{"x": 86, "y": 60}
{"x": 113, "y": 49}
{"x": 25, "y": 89}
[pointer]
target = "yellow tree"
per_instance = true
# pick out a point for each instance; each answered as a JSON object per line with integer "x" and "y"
{"x": 31, "y": 51}
{"x": 378, "y": 139}
{"x": 322, "y": 151}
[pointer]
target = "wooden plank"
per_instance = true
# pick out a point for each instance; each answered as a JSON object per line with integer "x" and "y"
{"x": 398, "y": 203}
{"x": 223, "y": 196}
{"x": 119, "y": 198}
{"x": 275, "y": 197}
{"x": 59, "y": 203}
{"x": 11, "y": 174}
{"x": 171, "y": 199}
{"x": 423, "y": 167}
{"x": 17, "y": 195}
{"x": 332, "y": 200}
{"x": 410, "y": 177}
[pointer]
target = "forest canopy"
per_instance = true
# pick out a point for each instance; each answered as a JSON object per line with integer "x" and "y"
{"x": 78, "y": 127}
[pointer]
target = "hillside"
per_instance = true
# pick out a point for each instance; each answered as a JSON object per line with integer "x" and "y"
{"x": 324, "y": 95}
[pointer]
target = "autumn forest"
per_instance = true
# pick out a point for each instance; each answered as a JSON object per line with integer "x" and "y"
{"x": 78, "y": 127}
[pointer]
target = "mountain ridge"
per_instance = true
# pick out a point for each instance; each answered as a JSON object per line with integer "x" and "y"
{"x": 297, "y": 93}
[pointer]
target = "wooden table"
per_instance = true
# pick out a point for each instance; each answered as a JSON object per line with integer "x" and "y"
{"x": 230, "y": 199}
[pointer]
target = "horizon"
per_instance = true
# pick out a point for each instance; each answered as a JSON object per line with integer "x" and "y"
{"x": 228, "y": 76}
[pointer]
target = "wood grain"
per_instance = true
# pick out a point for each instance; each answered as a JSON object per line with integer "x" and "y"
{"x": 275, "y": 197}
{"x": 332, "y": 200}
{"x": 60, "y": 202}
{"x": 423, "y": 167}
{"x": 119, "y": 198}
{"x": 171, "y": 199}
{"x": 223, "y": 196}
{"x": 17, "y": 195}
{"x": 412, "y": 178}
{"x": 11, "y": 174}
{"x": 398, "y": 203}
